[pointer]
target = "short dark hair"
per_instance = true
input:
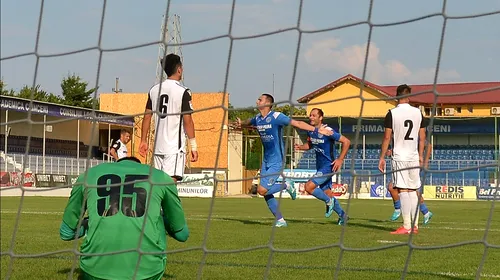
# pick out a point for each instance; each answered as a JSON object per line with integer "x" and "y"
{"x": 124, "y": 130}
{"x": 269, "y": 97}
{"x": 130, "y": 158}
{"x": 170, "y": 64}
{"x": 320, "y": 112}
{"x": 401, "y": 89}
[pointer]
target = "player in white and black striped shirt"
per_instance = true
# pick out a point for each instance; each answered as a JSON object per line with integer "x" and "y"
{"x": 119, "y": 149}
{"x": 406, "y": 126}
{"x": 170, "y": 97}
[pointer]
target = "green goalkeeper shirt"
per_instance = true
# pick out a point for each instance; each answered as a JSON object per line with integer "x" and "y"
{"x": 117, "y": 215}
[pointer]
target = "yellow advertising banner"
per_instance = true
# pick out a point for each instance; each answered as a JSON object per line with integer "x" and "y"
{"x": 449, "y": 192}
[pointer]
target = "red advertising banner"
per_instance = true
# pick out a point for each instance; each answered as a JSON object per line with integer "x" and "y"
{"x": 11, "y": 179}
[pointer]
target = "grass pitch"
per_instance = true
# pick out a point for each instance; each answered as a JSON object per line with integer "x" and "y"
{"x": 240, "y": 224}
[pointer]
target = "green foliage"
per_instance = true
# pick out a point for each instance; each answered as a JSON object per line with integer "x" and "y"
{"x": 74, "y": 93}
{"x": 286, "y": 109}
{"x": 5, "y": 91}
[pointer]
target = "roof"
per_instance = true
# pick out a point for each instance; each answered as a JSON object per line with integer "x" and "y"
{"x": 452, "y": 93}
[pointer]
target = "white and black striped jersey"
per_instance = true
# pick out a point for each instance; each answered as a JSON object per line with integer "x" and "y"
{"x": 120, "y": 148}
{"x": 405, "y": 122}
{"x": 169, "y": 97}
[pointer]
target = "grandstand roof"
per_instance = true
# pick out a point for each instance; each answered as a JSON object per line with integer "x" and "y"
{"x": 63, "y": 111}
{"x": 489, "y": 92}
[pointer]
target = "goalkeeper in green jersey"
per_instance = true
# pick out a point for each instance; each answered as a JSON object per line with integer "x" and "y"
{"x": 117, "y": 210}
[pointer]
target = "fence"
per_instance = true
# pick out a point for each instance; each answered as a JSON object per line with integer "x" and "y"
{"x": 441, "y": 172}
{"x": 52, "y": 165}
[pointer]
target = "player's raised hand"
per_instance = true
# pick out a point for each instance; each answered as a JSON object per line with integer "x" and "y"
{"x": 325, "y": 130}
{"x": 381, "y": 165}
{"x": 337, "y": 164}
{"x": 194, "y": 156}
{"x": 143, "y": 148}
{"x": 296, "y": 147}
{"x": 236, "y": 124}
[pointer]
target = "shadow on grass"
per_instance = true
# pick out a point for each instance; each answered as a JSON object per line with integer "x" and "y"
{"x": 269, "y": 222}
{"x": 350, "y": 223}
{"x": 79, "y": 273}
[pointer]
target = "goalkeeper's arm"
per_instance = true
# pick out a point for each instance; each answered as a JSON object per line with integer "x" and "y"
{"x": 179, "y": 235}
{"x": 71, "y": 217}
{"x": 67, "y": 233}
{"x": 173, "y": 213}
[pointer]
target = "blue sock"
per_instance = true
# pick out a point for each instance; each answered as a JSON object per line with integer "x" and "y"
{"x": 423, "y": 208}
{"x": 397, "y": 204}
{"x": 337, "y": 208}
{"x": 321, "y": 195}
{"x": 277, "y": 187}
{"x": 272, "y": 203}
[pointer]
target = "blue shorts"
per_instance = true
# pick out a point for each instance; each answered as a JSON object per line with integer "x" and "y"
{"x": 323, "y": 182}
{"x": 267, "y": 181}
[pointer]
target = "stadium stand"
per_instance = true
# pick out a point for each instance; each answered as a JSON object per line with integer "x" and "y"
{"x": 71, "y": 145}
{"x": 446, "y": 157}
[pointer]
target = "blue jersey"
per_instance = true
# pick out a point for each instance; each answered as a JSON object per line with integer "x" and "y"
{"x": 270, "y": 129}
{"x": 324, "y": 146}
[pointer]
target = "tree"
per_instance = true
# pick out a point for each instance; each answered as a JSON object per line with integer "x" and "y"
{"x": 3, "y": 89}
{"x": 38, "y": 94}
{"x": 27, "y": 91}
{"x": 75, "y": 92}
{"x": 286, "y": 109}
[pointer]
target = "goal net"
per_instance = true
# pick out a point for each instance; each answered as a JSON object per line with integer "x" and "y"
{"x": 235, "y": 238}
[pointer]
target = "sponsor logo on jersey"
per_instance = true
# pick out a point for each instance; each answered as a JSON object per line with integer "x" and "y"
{"x": 264, "y": 126}
{"x": 267, "y": 138}
{"x": 317, "y": 141}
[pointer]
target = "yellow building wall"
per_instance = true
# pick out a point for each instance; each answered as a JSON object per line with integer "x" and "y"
{"x": 351, "y": 107}
{"x": 207, "y": 123}
{"x": 478, "y": 110}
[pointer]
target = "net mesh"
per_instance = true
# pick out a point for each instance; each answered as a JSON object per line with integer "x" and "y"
{"x": 270, "y": 245}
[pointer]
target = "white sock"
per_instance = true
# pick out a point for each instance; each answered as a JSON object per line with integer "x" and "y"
{"x": 414, "y": 207}
{"x": 329, "y": 203}
{"x": 405, "y": 209}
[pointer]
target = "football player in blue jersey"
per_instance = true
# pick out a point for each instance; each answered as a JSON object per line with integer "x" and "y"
{"x": 270, "y": 126}
{"x": 324, "y": 147}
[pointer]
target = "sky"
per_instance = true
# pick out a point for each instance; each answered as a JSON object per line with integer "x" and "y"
{"x": 399, "y": 53}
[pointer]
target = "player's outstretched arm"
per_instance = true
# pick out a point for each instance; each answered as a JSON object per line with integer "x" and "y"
{"x": 71, "y": 216}
{"x": 385, "y": 141}
{"x": 305, "y": 126}
{"x": 146, "y": 124}
{"x": 346, "y": 143}
{"x": 421, "y": 146}
{"x": 241, "y": 123}
{"x": 304, "y": 147}
{"x": 173, "y": 213}
{"x": 421, "y": 140}
{"x": 187, "y": 118}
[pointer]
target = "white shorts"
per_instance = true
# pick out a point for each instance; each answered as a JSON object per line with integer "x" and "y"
{"x": 406, "y": 179}
{"x": 173, "y": 165}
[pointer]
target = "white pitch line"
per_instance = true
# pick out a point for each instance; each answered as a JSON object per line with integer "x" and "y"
{"x": 391, "y": 242}
{"x": 453, "y": 274}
